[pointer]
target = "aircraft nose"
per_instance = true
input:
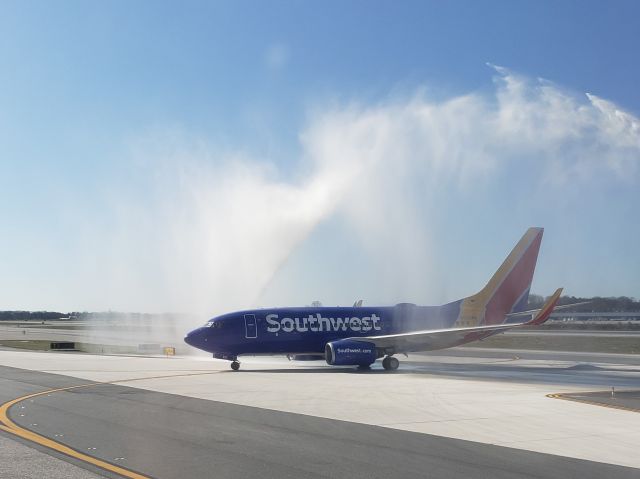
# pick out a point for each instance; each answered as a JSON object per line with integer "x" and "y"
{"x": 194, "y": 338}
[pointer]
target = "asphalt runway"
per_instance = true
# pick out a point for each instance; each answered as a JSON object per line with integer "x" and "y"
{"x": 165, "y": 436}
{"x": 594, "y": 370}
{"x": 587, "y": 357}
{"x": 19, "y": 461}
{"x": 629, "y": 400}
{"x": 576, "y": 333}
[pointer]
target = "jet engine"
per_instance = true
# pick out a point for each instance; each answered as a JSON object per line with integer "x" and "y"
{"x": 347, "y": 352}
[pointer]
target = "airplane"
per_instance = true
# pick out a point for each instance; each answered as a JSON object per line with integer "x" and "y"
{"x": 360, "y": 335}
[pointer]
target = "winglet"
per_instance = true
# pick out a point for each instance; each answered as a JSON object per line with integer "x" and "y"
{"x": 546, "y": 310}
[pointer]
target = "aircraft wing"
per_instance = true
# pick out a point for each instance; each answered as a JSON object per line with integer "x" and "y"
{"x": 433, "y": 339}
{"x": 531, "y": 312}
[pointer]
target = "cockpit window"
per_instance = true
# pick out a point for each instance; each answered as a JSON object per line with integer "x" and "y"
{"x": 213, "y": 324}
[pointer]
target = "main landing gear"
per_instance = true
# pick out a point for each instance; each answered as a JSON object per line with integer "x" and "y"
{"x": 235, "y": 365}
{"x": 390, "y": 363}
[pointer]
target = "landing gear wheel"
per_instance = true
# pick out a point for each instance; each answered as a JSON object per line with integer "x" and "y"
{"x": 364, "y": 367}
{"x": 235, "y": 365}
{"x": 390, "y": 363}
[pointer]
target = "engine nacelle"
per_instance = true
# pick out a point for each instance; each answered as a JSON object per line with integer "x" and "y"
{"x": 347, "y": 352}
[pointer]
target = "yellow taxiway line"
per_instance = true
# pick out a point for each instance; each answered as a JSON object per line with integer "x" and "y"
{"x": 7, "y": 425}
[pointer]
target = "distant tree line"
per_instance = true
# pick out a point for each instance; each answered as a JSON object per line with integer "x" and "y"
{"x": 620, "y": 304}
{"x": 54, "y": 315}
{"x": 31, "y": 315}
{"x": 83, "y": 316}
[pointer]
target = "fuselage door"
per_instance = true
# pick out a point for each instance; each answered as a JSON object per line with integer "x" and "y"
{"x": 250, "y": 326}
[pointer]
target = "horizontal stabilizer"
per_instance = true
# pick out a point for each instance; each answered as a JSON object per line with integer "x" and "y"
{"x": 546, "y": 310}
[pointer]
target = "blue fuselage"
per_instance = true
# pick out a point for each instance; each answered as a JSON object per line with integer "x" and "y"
{"x": 308, "y": 330}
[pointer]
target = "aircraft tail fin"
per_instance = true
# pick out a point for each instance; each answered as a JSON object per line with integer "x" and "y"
{"x": 508, "y": 289}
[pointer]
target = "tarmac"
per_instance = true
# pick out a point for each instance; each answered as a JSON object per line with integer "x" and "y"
{"x": 459, "y": 413}
{"x": 18, "y": 461}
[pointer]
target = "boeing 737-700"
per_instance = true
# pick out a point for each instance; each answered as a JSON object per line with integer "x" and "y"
{"x": 359, "y": 335}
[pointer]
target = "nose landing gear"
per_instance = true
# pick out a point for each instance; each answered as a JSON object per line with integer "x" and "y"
{"x": 235, "y": 365}
{"x": 390, "y": 363}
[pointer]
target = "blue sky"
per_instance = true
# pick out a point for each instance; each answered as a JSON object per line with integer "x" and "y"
{"x": 161, "y": 155}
